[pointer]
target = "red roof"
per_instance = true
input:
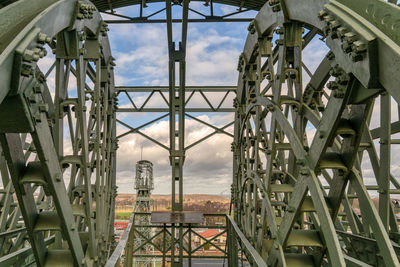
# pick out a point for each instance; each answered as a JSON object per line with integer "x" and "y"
{"x": 120, "y": 224}
{"x": 210, "y": 233}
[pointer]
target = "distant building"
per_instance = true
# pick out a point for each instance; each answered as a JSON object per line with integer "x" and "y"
{"x": 209, "y": 234}
{"x": 120, "y": 225}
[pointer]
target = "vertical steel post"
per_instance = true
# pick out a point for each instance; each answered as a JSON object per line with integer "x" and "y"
{"x": 173, "y": 244}
{"x": 190, "y": 245}
{"x": 177, "y": 118}
{"x": 164, "y": 245}
{"x": 62, "y": 77}
{"x": 177, "y": 106}
{"x": 129, "y": 246}
{"x": 384, "y": 170}
{"x": 232, "y": 246}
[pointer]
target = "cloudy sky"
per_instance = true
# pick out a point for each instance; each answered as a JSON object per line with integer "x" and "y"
{"x": 142, "y": 59}
{"x": 212, "y": 53}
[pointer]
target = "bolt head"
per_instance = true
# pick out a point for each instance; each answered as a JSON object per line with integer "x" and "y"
{"x": 359, "y": 46}
{"x": 335, "y": 71}
{"x": 350, "y": 37}
{"x": 322, "y": 14}
{"x": 44, "y": 107}
{"x": 328, "y": 18}
{"x": 338, "y": 94}
{"x": 304, "y": 171}
{"x": 346, "y": 47}
{"x": 341, "y": 31}
{"x": 355, "y": 57}
{"x": 38, "y": 89}
{"x": 334, "y": 24}
{"x": 343, "y": 78}
{"x": 330, "y": 55}
{"x": 332, "y": 85}
{"x": 43, "y": 38}
{"x": 32, "y": 98}
{"x": 30, "y": 55}
{"x": 38, "y": 117}
{"x": 276, "y": 8}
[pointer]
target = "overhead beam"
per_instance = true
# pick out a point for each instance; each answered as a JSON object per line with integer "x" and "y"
{"x": 207, "y": 19}
{"x": 142, "y": 89}
{"x": 167, "y": 110}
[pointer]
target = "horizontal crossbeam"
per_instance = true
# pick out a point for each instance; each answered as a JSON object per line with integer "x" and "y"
{"x": 161, "y": 110}
{"x": 142, "y": 89}
{"x": 207, "y": 19}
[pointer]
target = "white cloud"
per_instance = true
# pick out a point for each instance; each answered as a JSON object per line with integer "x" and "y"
{"x": 143, "y": 57}
{"x": 212, "y": 58}
{"x": 206, "y": 164}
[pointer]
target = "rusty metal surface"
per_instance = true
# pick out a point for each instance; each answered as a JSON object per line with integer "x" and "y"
{"x": 177, "y": 217}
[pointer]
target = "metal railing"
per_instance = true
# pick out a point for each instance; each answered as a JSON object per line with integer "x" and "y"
{"x": 116, "y": 256}
{"x": 236, "y": 237}
{"x": 195, "y": 245}
{"x": 234, "y": 244}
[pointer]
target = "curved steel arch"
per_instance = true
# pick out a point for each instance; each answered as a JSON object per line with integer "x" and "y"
{"x": 294, "y": 190}
{"x": 54, "y": 134}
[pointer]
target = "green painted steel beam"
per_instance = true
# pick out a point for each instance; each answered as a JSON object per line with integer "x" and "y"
{"x": 142, "y": 89}
{"x": 162, "y": 21}
{"x": 162, "y": 110}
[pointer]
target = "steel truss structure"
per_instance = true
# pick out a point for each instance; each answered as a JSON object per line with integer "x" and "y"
{"x": 303, "y": 140}
{"x": 144, "y": 184}
{"x": 58, "y": 139}
{"x": 300, "y": 195}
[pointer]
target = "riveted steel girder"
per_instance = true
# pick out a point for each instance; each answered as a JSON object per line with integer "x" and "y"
{"x": 36, "y": 114}
{"x": 299, "y": 192}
